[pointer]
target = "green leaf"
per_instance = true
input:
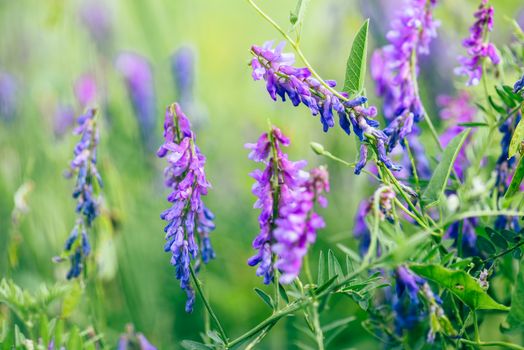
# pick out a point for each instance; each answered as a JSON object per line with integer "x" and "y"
{"x": 338, "y": 323}
{"x": 325, "y": 285}
{"x": 193, "y": 345}
{"x": 71, "y": 300}
{"x": 516, "y": 140}
{"x": 465, "y": 287}
{"x": 265, "y": 297}
{"x": 438, "y": 181}
{"x": 321, "y": 269}
{"x": 356, "y": 64}
{"x": 514, "y": 186}
{"x": 516, "y": 313}
{"x": 297, "y": 17}
{"x": 283, "y": 293}
{"x": 473, "y": 124}
{"x": 334, "y": 268}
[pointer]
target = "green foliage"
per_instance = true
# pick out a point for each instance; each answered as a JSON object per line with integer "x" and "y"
{"x": 439, "y": 179}
{"x": 460, "y": 283}
{"x": 357, "y": 62}
{"x": 516, "y": 313}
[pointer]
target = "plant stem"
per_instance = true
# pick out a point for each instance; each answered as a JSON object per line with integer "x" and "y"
{"x": 207, "y": 305}
{"x": 319, "y": 335}
{"x": 493, "y": 343}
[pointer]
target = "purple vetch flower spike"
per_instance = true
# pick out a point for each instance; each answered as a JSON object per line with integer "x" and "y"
{"x": 478, "y": 46}
{"x": 88, "y": 179}
{"x": 64, "y": 118}
{"x": 296, "y": 84}
{"x": 395, "y": 67}
{"x": 277, "y": 188}
{"x": 8, "y": 96}
{"x": 138, "y": 77}
{"x": 297, "y": 224}
{"x": 96, "y": 17}
{"x": 456, "y": 110}
{"x": 186, "y": 178}
{"x": 183, "y": 68}
{"x": 131, "y": 340}
{"x": 361, "y": 230}
{"x": 519, "y": 85}
{"x": 86, "y": 91}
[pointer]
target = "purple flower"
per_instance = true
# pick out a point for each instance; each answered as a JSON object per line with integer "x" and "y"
{"x": 519, "y": 85}
{"x": 478, "y": 46}
{"x": 361, "y": 230}
{"x": 8, "y": 96}
{"x": 63, "y": 120}
{"x": 297, "y": 84}
{"x": 86, "y": 90}
{"x": 297, "y": 224}
{"x": 140, "y": 86}
{"x": 186, "y": 178}
{"x": 395, "y": 67}
{"x": 456, "y": 110}
{"x": 183, "y": 67}
{"x": 469, "y": 236}
{"x": 286, "y": 198}
{"x": 131, "y": 340}
{"x": 96, "y": 17}
{"x": 84, "y": 167}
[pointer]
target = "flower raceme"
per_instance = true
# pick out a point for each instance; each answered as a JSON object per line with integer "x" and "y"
{"x": 84, "y": 166}
{"x": 286, "y": 197}
{"x": 186, "y": 178}
{"x": 297, "y": 84}
{"x": 478, "y": 46}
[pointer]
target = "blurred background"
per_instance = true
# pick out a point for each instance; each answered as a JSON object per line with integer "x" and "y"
{"x": 131, "y": 59}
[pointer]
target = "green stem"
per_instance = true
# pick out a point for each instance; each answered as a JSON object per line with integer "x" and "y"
{"x": 297, "y": 50}
{"x": 493, "y": 343}
{"x": 207, "y": 305}
{"x": 476, "y": 326}
{"x": 319, "y": 335}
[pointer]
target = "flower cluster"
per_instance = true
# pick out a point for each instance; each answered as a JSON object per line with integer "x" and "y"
{"x": 88, "y": 177}
{"x": 297, "y": 224}
{"x": 469, "y": 236}
{"x": 519, "y": 85}
{"x": 283, "y": 79}
{"x": 140, "y": 86}
{"x": 132, "y": 340}
{"x": 186, "y": 178}
{"x": 286, "y": 197}
{"x": 456, "y": 110}
{"x": 477, "y": 45}
{"x": 384, "y": 197}
{"x": 8, "y": 96}
{"x": 409, "y": 310}
{"x": 395, "y": 68}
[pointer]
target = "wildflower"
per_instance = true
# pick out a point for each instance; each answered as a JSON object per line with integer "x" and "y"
{"x": 64, "y": 118}
{"x": 483, "y": 279}
{"x": 297, "y": 84}
{"x": 361, "y": 230}
{"x": 478, "y": 46}
{"x": 456, "y": 110}
{"x": 186, "y": 178}
{"x": 519, "y": 85}
{"x": 88, "y": 179}
{"x": 8, "y": 96}
{"x": 275, "y": 188}
{"x": 96, "y": 17}
{"x": 140, "y": 86}
{"x": 297, "y": 224}
{"x": 395, "y": 68}
{"x": 182, "y": 63}
{"x": 469, "y": 236}
{"x": 86, "y": 90}
{"x": 132, "y": 340}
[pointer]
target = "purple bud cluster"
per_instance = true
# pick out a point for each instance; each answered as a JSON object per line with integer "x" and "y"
{"x": 297, "y": 84}
{"x": 478, "y": 46}
{"x": 138, "y": 77}
{"x": 286, "y": 197}
{"x": 186, "y": 178}
{"x": 84, "y": 167}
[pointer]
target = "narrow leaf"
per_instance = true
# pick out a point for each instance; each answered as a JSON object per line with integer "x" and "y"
{"x": 297, "y": 17}
{"x": 440, "y": 177}
{"x": 266, "y": 298}
{"x": 325, "y": 285}
{"x": 516, "y": 312}
{"x": 356, "y": 64}
{"x": 514, "y": 186}
{"x": 193, "y": 345}
{"x": 516, "y": 140}
{"x": 283, "y": 293}
{"x": 321, "y": 269}
{"x": 460, "y": 283}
